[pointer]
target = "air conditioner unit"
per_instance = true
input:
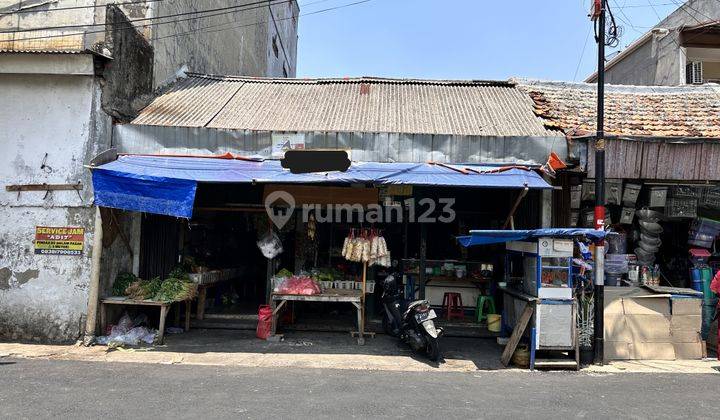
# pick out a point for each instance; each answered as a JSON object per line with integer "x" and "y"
{"x": 694, "y": 73}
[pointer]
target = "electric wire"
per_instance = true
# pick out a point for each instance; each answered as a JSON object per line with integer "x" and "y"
{"x": 261, "y": 3}
{"x": 259, "y": 23}
{"x": 130, "y": 26}
{"x": 134, "y": 27}
{"x": 33, "y": 9}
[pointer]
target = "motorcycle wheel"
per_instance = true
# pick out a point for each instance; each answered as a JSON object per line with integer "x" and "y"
{"x": 387, "y": 327}
{"x": 433, "y": 349}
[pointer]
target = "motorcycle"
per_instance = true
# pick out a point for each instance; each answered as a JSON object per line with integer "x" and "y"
{"x": 414, "y": 326}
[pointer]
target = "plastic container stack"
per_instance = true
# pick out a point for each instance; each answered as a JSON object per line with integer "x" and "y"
{"x": 703, "y": 232}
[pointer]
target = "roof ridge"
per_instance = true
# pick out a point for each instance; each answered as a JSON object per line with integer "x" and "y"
{"x": 358, "y": 79}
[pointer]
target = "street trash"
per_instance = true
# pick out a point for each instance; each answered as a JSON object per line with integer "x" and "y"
{"x": 128, "y": 332}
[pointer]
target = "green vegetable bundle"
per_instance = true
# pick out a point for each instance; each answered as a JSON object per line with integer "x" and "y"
{"x": 173, "y": 289}
{"x": 122, "y": 281}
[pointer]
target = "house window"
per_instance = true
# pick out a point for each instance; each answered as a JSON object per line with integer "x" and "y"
{"x": 694, "y": 73}
{"x": 276, "y": 51}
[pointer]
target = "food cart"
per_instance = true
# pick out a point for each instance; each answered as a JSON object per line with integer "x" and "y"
{"x": 538, "y": 297}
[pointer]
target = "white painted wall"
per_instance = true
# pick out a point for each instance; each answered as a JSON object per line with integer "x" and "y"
{"x": 45, "y": 297}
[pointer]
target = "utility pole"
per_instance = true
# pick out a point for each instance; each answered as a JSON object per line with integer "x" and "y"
{"x": 599, "y": 295}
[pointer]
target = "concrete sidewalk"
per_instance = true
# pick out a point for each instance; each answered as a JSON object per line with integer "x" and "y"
{"x": 321, "y": 351}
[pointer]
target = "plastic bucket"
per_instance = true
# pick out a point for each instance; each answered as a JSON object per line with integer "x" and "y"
{"x": 612, "y": 279}
{"x": 494, "y": 322}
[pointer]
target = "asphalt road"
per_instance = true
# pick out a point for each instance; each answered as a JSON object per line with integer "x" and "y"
{"x": 65, "y": 389}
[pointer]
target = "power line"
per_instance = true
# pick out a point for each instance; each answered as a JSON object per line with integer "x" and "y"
{"x": 260, "y": 23}
{"x": 130, "y": 26}
{"x": 263, "y": 3}
{"x": 582, "y": 54}
{"x": 32, "y": 9}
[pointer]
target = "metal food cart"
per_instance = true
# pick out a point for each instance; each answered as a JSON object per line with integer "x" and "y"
{"x": 538, "y": 297}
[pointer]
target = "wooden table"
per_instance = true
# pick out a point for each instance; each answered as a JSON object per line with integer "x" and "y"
{"x": 164, "y": 309}
{"x": 354, "y": 297}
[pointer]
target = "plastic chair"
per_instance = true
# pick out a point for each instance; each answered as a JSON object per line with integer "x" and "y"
{"x": 483, "y": 301}
{"x": 453, "y": 306}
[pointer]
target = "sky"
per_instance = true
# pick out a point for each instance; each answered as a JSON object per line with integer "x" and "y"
{"x": 461, "y": 39}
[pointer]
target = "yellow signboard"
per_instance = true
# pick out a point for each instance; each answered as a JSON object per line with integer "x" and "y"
{"x": 59, "y": 240}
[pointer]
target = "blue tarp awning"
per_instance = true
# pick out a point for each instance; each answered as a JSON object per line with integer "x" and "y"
{"x": 167, "y": 184}
{"x": 487, "y": 237}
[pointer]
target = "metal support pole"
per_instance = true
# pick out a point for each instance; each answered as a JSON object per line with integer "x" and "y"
{"x": 600, "y": 191}
{"x": 94, "y": 292}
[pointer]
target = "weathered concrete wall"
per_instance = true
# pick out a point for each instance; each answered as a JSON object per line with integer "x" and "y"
{"x": 282, "y": 37}
{"x": 235, "y": 42}
{"x": 661, "y": 61}
{"x": 637, "y": 68}
{"x": 44, "y": 297}
{"x": 128, "y": 76}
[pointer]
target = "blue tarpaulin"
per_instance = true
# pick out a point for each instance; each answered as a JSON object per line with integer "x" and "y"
{"x": 167, "y": 184}
{"x": 487, "y": 237}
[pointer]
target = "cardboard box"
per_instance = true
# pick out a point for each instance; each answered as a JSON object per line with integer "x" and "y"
{"x": 614, "y": 307}
{"x": 648, "y": 328}
{"x": 617, "y": 350}
{"x": 686, "y": 322}
{"x": 616, "y": 328}
{"x": 685, "y": 336}
{"x": 650, "y": 305}
{"x": 687, "y": 351}
{"x": 653, "y": 327}
{"x": 686, "y": 306}
{"x": 652, "y": 351}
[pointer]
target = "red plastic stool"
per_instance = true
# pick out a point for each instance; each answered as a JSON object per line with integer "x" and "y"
{"x": 453, "y": 306}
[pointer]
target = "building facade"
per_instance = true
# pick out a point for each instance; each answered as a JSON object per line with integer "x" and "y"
{"x": 62, "y": 86}
{"x": 683, "y": 48}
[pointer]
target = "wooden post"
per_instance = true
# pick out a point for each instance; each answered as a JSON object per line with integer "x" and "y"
{"x": 423, "y": 254}
{"x": 94, "y": 292}
{"x": 362, "y": 301}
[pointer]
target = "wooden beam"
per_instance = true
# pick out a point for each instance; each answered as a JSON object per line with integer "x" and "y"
{"x": 517, "y": 334}
{"x": 44, "y": 187}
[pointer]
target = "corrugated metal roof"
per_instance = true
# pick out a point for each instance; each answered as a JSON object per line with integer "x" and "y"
{"x": 655, "y": 111}
{"x": 376, "y": 105}
{"x": 33, "y": 42}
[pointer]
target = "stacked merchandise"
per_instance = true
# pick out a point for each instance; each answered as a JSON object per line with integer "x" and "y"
{"x": 703, "y": 232}
{"x": 368, "y": 246}
{"x": 682, "y": 201}
{"x": 649, "y": 239}
{"x": 616, "y": 259}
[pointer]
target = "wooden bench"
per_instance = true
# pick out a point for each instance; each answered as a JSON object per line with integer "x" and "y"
{"x": 164, "y": 309}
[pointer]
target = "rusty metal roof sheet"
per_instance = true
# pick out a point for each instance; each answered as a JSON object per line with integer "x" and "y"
{"x": 634, "y": 111}
{"x": 378, "y": 105}
{"x": 42, "y": 42}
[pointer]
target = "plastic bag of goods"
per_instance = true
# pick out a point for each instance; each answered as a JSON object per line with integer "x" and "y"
{"x": 264, "y": 325}
{"x": 270, "y": 245}
{"x": 299, "y": 285}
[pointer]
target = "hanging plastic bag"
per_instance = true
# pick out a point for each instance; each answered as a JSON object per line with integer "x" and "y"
{"x": 270, "y": 245}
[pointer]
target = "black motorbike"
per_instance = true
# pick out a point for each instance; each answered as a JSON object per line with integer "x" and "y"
{"x": 412, "y": 324}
